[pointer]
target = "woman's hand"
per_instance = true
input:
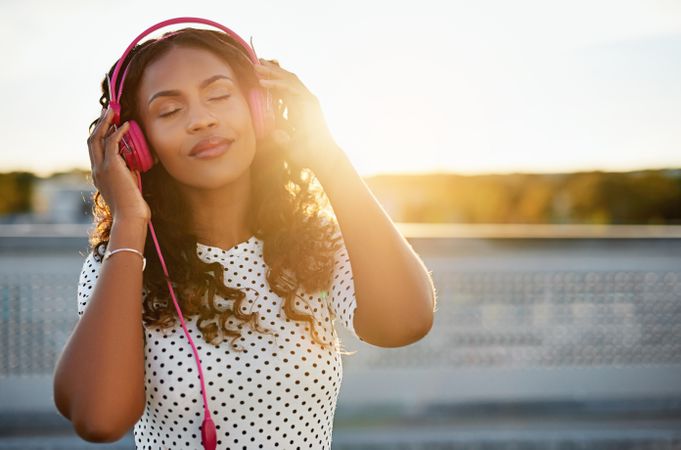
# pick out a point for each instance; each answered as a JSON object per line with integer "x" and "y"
{"x": 303, "y": 133}
{"x": 110, "y": 174}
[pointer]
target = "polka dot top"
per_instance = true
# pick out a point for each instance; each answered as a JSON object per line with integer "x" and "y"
{"x": 280, "y": 392}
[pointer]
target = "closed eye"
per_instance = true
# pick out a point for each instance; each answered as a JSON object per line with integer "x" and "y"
{"x": 169, "y": 113}
{"x": 224, "y": 97}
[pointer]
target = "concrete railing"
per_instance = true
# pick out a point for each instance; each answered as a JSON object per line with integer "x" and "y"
{"x": 553, "y": 318}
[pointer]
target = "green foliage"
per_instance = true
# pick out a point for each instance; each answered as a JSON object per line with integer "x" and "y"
{"x": 641, "y": 197}
{"x": 16, "y": 189}
{"x": 596, "y": 197}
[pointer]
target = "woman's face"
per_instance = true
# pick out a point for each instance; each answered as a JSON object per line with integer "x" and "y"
{"x": 187, "y": 95}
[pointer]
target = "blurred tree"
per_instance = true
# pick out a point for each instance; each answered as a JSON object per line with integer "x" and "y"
{"x": 16, "y": 189}
{"x": 595, "y": 197}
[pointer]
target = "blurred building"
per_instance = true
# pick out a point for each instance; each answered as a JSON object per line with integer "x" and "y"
{"x": 66, "y": 198}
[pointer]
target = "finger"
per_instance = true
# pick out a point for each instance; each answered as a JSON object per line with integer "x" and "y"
{"x": 267, "y": 73}
{"x": 283, "y": 85}
{"x": 100, "y": 133}
{"x": 263, "y": 70}
{"x": 274, "y": 69}
{"x": 95, "y": 141}
{"x": 101, "y": 117}
{"x": 98, "y": 123}
{"x": 91, "y": 152}
{"x": 113, "y": 142}
{"x": 104, "y": 125}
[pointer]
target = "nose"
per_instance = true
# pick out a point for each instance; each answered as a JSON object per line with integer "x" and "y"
{"x": 200, "y": 117}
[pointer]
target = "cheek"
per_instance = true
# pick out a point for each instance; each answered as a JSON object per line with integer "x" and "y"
{"x": 162, "y": 140}
{"x": 244, "y": 111}
{"x": 239, "y": 116}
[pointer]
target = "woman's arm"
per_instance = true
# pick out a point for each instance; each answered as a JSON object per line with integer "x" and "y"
{"x": 393, "y": 288}
{"x": 99, "y": 377}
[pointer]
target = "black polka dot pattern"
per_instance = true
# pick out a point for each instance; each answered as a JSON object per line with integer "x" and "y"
{"x": 280, "y": 392}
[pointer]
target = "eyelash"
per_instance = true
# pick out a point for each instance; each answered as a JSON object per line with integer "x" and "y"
{"x": 176, "y": 110}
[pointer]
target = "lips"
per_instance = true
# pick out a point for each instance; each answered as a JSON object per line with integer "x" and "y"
{"x": 210, "y": 145}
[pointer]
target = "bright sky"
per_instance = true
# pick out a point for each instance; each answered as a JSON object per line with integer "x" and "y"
{"x": 487, "y": 86}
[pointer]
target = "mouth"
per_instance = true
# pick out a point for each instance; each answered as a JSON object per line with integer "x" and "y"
{"x": 211, "y": 147}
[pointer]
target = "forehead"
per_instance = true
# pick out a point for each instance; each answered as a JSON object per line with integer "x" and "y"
{"x": 182, "y": 68}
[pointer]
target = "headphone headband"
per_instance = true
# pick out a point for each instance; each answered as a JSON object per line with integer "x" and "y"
{"x": 115, "y": 96}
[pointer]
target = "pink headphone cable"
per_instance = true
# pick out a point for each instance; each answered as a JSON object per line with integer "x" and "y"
{"x": 208, "y": 431}
{"x": 139, "y": 159}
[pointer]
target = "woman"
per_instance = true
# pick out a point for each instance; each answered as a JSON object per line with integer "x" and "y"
{"x": 251, "y": 248}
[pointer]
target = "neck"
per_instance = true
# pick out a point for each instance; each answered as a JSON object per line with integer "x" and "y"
{"x": 219, "y": 216}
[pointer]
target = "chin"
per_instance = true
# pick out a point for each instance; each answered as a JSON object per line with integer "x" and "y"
{"x": 216, "y": 178}
{"x": 216, "y": 174}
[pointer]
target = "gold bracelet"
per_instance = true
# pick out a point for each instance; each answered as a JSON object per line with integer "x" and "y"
{"x": 126, "y": 249}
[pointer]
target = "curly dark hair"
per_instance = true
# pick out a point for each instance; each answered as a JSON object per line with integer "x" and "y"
{"x": 289, "y": 211}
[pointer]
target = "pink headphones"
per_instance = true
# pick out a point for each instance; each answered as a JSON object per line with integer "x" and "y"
{"x": 138, "y": 158}
{"x": 133, "y": 145}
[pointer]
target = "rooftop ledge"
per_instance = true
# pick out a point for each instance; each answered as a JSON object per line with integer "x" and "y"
{"x": 420, "y": 230}
{"x": 526, "y": 231}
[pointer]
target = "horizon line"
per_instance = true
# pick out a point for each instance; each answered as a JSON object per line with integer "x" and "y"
{"x": 377, "y": 174}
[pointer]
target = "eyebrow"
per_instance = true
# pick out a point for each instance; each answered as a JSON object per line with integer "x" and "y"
{"x": 175, "y": 93}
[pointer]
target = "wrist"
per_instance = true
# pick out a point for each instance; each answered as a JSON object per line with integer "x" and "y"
{"x": 130, "y": 221}
{"x": 128, "y": 232}
{"x": 110, "y": 252}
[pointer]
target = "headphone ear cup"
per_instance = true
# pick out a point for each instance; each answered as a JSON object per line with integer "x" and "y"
{"x": 136, "y": 154}
{"x": 262, "y": 112}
